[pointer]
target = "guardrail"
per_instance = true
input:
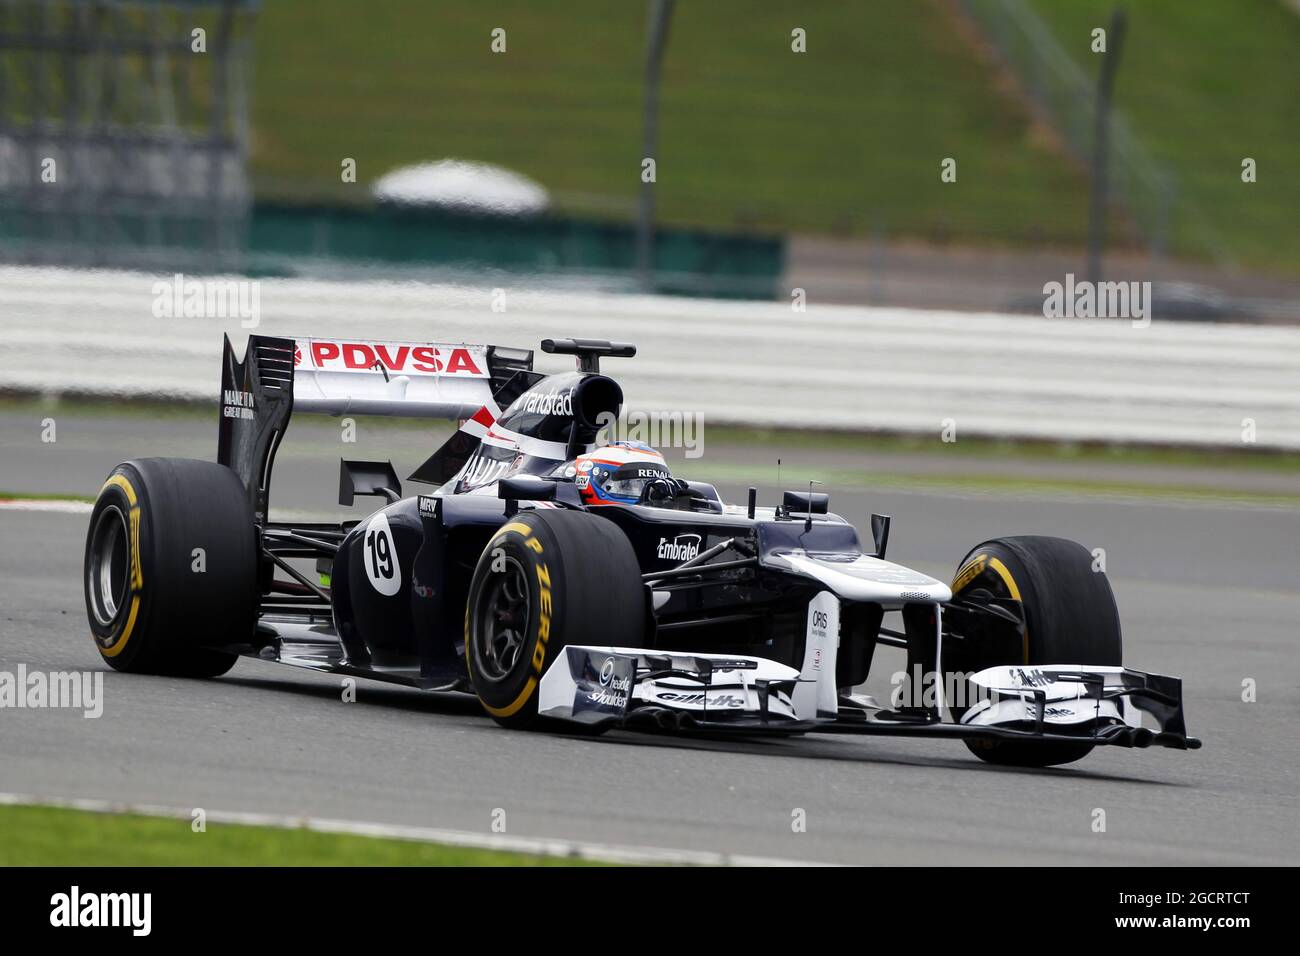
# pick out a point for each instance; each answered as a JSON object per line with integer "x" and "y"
{"x": 831, "y": 367}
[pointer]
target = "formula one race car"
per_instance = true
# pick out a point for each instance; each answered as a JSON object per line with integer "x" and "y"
{"x": 576, "y": 585}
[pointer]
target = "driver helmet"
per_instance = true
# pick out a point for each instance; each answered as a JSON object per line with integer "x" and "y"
{"x": 616, "y": 474}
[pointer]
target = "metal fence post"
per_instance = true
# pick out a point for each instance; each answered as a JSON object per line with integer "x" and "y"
{"x": 660, "y": 16}
{"x": 1101, "y": 139}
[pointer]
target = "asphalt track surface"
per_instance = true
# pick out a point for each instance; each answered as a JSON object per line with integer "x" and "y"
{"x": 1207, "y": 591}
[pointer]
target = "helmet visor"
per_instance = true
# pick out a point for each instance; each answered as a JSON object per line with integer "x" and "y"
{"x": 629, "y": 481}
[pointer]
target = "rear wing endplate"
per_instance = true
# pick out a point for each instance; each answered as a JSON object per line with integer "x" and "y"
{"x": 345, "y": 377}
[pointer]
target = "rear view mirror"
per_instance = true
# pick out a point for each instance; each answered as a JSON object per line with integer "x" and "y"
{"x": 806, "y": 502}
{"x": 525, "y": 488}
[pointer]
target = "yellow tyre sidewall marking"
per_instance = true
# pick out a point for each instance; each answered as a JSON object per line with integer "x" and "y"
{"x": 544, "y": 625}
{"x": 119, "y": 481}
{"x": 136, "y": 581}
{"x": 969, "y": 571}
{"x": 1010, "y": 582}
{"x": 972, "y": 568}
{"x": 517, "y": 526}
{"x": 515, "y": 704}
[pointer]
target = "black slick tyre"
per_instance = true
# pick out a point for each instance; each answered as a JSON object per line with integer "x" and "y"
{"x": 548, "y": 578}
{"x": 170, "y": 570}
{"x": 1070, "y": 618}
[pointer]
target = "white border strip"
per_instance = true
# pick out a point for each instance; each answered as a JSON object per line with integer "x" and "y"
{"x": 92, "y": 333}
{"x": 58, "y": 505}
{"x": 72, "y": 506}
{"x": 537, "y": 846}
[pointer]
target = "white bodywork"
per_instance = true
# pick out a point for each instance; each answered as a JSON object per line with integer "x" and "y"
{"x": 558, "y": 696}
{"x": 1009, "y": 695}
{"x": 716, "y": 690}
{"x": 817, "y": 695}
{"x": 862, "y": 577}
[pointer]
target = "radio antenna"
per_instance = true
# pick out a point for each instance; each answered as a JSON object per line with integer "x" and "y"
{"x": 807, "y": 525}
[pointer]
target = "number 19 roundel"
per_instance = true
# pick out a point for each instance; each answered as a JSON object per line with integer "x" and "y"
{"x": 382, "y": 569}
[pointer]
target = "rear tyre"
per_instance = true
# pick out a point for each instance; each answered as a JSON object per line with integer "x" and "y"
{"x": 171, "y": 568}
{"x": 547, "y": 579}
{"x": 1070, "y": 618}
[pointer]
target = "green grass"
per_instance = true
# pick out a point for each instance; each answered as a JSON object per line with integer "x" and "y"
{"x": 50, "y": 836}
{"x": 845, "y": 137}
{"x": 1204, "y": 84}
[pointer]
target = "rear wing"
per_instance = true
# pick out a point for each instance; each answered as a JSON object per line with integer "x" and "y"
{"x": 408, "y": 379}
{"x": 345, "y": 377}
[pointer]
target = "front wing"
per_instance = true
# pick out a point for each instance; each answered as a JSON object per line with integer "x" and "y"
{"x": 720, "y": 693}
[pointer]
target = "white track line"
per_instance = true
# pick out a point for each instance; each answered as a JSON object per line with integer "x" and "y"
{"x": 56, "y": 505}
{"x": 537, "y": 846}
{"x": 71, "y": 506}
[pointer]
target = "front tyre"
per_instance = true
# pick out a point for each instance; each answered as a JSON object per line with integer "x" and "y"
{"x": 1070, "y": 618}
{"x": 170, "y": 569}
{"x": 547, "y": 579}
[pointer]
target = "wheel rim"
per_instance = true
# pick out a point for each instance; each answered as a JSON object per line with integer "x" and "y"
{"x": 503, "y": 617}
{"x": 106, "y": 575}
